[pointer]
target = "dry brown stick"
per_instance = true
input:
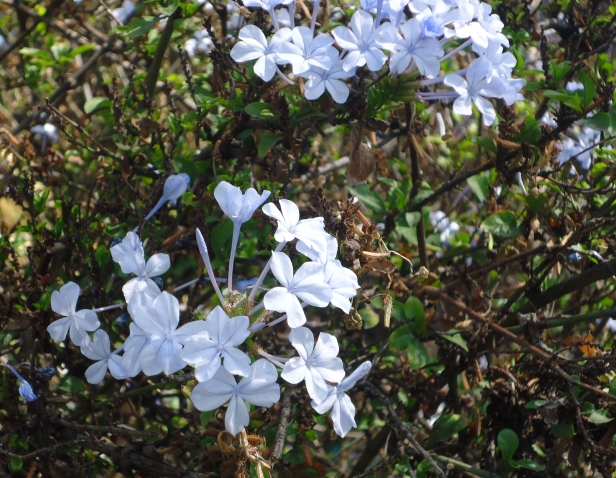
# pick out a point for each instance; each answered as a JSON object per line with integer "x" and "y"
{"x": 436, "y": 293}
{"x": 281, "y": 434}
{"x": 44, "y": 450}
{"x": 402, "y": 427}
{"x": 508, "y": 260}
{"x": 105, "y": 429}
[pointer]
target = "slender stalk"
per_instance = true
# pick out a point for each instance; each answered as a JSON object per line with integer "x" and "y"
{"x": 284, "y": 77}
{"x": 109, "y": 307}
{"x": 440, "y": 79}
{"x": 257, "y": 308}
{"x": 292, "y": 14}
{"x": 315, "y": 11}
{"x": 278, "y": 361}
{"x": 208, "y": 266}
{"x": 274, "y": 19}
{"x": 379, "y": 13}
{"x": 236, "y": 235}
{"x": 264, "y": 272}
{"x": 465, "y": 467}
{"x": 456, "y": 50}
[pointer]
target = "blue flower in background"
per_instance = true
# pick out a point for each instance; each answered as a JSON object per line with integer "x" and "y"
{"x": 25, "y": 389}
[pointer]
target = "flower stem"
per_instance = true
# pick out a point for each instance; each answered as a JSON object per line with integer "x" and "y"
{"x": 236, "y": 235}
{"x": 109, "y": 307}
{"x": 274, "y": 19}
{"x": 315, "y": 12}
{"x": 264, "y": 272}
{"x": 456, "y": 50}
{"x": 440, "y": 79}
{"x": 256, "y": 308}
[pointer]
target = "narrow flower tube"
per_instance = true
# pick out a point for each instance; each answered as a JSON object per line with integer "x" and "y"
{"x": 208, "y": 266}
{"x": 25, "y": 389}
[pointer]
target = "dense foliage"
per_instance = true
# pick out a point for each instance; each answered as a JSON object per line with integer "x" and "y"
{"x": 477, "y": 217}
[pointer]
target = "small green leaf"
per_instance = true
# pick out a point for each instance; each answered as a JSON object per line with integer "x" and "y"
{"x": 599, "y": 122}
{"x": 261, "y": 110}
{"x": 563, "y": 429}
{"x": 140, "y": 26}
{"x": 205, "y": 418}
{"x": 414, "y": 311}
{"x": 221, "y": 239}
{"x": 267, "y": 142}
{"x": 40, "y": 200}
{"x": 534, "y": 404}
{"x": 368, "y": 198}
{"x": 16, "y": 464}
{"x": 487, "y": 143}
{"x": 480, "y": 186}
{"x": 170, "y": 9}
{"x": 503, "y": 223}
{"x": 508, "y": 443}
{"x": 417, "y": 354}
{"x": 71, "y": 384}
{"x": 612, "y": 389}
{"x": 456, "y": 339}
{"x": 401, "y": 337}
{"x": 369, "y": 317}
{"x": 445, "y": 427}
{"x": 571, "y": 100}
{"x": 590, "y": 88}
{"x": 599, "y": 417}
{"x": 96, "y": 103}
{"x": 528, "y": 464}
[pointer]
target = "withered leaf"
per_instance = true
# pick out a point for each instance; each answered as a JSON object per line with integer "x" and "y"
{"x": 382, "y": 265}
{"x": 362, "y": 162}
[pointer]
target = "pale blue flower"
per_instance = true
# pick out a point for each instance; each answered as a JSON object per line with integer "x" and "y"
{"x": 25, "y": 389}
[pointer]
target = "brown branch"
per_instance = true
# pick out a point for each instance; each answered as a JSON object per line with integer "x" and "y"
{"x": 452, "y": 183}
{"x": 401, "y": 426}
{"x": 600, "y": 272}
{"x": 439, "y": 294}
{"x": 44, "y": 450}
{"x": 281, "y": 434}
{"x": 105, "y": 429}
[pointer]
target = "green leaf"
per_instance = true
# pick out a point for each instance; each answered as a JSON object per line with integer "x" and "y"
{"x": 71, "y": 384}
{"x": 536, "y": 203}
{"x": 170, "y": 8}
{"x": 267, "y": 142}
{"x": 40, "y": 200}
{"x": 96, "y": 103}
{"x": 368, "y": 198}
{"x": 369, "y": 317}
{"x": 487, "y": 143}
{"x": 503, "y": 223}
{"x": 563, "y": 429}
{"x": 206, "y": 417}
{"x": 417, "y": 354}
{"x": 599, "y": 122}
{"x": 456, "y": 339}
{"x": 414, "y": 311}
{"x": 590, "y": 88}
{"x": 401, "y": 337}
{"x": 530, "y": 133}
{"x": 612, "y": 389}
{"x": 508, "y": 443}
{"x": 533, "y": 404}
{"x": 16, "y": 464}
{"x": 528, "y": 464}
{"x": 102, "y": 255}
{"x": 221, "y": 239}
{"x": 599, "y": 417}
{"x": 445, "y": 427}
{"x": 571, "y": 100}
{"x": 140, "y": 26}
{"x": 261, "y": 110}
{"x": 480, "y": 186}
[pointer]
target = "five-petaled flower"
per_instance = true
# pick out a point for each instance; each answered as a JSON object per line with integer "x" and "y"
{"x": 64, "y": 302}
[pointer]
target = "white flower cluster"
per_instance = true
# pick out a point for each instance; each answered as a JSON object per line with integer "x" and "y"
{"x": 156, "y": 344}
{"x": 380, "y": 33}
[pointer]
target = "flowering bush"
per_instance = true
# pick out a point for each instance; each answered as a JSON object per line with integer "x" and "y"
{"x": 272, "y": 237}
